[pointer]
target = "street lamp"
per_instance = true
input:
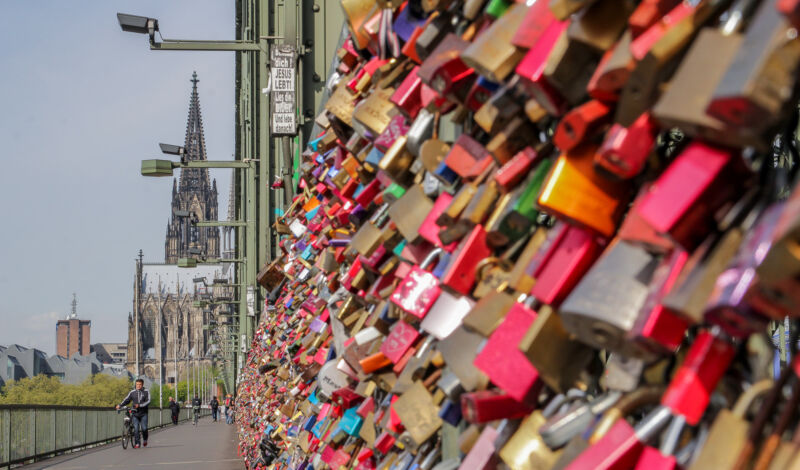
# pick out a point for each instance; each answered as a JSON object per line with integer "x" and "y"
{"x": 138, "y": 24}
{"x": 157, "y": 167}
{"x": 192, "y": 262}
{"x": 149, "y": 26}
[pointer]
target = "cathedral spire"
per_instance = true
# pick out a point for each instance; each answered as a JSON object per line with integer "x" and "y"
{"x": 193, "y": 194}
{"x": 194, "y": 179}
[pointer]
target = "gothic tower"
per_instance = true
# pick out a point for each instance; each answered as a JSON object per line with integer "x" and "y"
{"x": 193, "y": 194}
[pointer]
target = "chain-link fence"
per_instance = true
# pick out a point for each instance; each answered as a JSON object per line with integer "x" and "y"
{"x": 35, "y": 432}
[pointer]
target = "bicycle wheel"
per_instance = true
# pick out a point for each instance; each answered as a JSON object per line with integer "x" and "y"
{"x": 126, "y": 435}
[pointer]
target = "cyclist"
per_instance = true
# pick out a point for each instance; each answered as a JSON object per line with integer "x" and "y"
{"x": 214, "y": 408}
{"x": 140, "y": 398}
{"x": 196, "y": 407}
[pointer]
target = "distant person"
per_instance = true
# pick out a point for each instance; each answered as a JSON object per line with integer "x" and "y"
{"x": 229, "y": 414}
{"x": 214, "y": 408}
{"x": 196, "y": 403}
{"x": 175, "y": 408}
{"x": 140, "y": 398}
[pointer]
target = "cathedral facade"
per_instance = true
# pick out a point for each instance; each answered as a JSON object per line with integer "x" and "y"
{"x": 173, "y": 329}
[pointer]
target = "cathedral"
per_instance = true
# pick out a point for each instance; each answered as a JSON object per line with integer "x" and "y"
{"x": 173, "y": 329}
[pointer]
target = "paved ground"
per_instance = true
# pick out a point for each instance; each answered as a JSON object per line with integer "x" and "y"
{"x": 209, "y": 446}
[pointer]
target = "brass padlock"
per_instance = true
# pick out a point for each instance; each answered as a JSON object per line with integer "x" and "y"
{"x": 492, "y": 54}
{"x": 410, "y": 211}
{"x": 492, "y": 275}
{"x": 729, "y": 431}
{"x": 560, "y": 371}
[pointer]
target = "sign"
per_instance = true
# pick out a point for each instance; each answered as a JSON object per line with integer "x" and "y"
{"x": 251, "y": 301}
{"x": 283, "y": 77}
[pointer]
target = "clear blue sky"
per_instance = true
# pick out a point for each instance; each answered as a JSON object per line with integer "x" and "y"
{"x": 81, "y": 104}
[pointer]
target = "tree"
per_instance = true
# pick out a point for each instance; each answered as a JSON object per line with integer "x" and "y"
{"x": 98, "y": 390}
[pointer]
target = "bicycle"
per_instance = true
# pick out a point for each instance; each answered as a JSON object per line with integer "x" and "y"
{"x": 196, "y": 416}
{"x": 127, "y": 427}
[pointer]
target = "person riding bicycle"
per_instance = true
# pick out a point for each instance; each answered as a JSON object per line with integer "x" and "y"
{"x": 214, "y": 408}
{"x": 140, "y": 399}
{"x": 175, "y": 408}
{"x": 196, "y": 403}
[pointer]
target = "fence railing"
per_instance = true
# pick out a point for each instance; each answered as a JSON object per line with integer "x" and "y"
{"x": 35, "y": 432}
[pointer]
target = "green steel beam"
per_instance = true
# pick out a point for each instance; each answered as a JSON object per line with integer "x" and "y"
{"x": 221, "y": 223}
{"x": 190, "y": 45}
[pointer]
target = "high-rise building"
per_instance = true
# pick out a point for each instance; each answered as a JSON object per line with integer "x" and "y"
{"x": 195, "y": 195}
{"x": 73, "y": 334}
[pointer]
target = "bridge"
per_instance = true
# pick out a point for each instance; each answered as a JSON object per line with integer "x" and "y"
{"x": 44, "y": 434}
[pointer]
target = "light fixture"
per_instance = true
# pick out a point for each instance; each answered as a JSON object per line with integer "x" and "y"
{"x": 157, "y": 167}
{"x": 138, "y": 24}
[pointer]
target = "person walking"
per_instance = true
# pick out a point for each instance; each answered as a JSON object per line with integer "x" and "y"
{"x": 196, "y": 403}
{"x": 175, "y": 409}
{"x": 140, "y": 398}
{"x": 229, "y": 414}
{"x": 214, "y": 408}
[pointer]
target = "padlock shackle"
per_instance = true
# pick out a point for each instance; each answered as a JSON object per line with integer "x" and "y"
{"x": 750, "y": 395}
{"x": 433, "y": 255}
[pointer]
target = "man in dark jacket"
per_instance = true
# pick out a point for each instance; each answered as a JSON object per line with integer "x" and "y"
{"x": 214, "y": 407}
{"x": 196, "y": 403}
{"x": 175, "y": 408}
{"x": 140, "y": 399}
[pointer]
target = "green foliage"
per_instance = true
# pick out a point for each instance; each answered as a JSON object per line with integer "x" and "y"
{"x": 98, "y": 390}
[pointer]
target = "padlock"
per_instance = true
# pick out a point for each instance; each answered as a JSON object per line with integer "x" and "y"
{"x": 536, "y": 20}
{"x": 498, "y": 111}
{"x": 531, "y": 70}
{"x": 514, "y": 171}
{"x": 575, "y": 191}
{"x": 684, "y": 103}
{"x": 581, "y": 124}
{"x": 625, "y": 150}
{"x": 419, "y": 289}
{"x": 491, "y": 275}
{"x": 492, "y": 54}
{"x": 467, "y": 157}
{"x": 656, "y": 328}
{"x": 754, "y": 90}
{"x": 503, "y": 362}
{"x": 612, "y": 71}
{"x": 525, "y": 449}
{"x": 460, "y": 274}
{"x": 729, "y": 428}
{"x": 601, "y": 24}
{"x": 409, "y": 212}
{"x": 563, "y": 262}
{"x": 521, "y": 213}
{"x": 445, "y": 72}
{"x": 689, "y": 392}
{"x": 655, "y": 52}
{"x": 685, "y": 212}
{"x": 480, "y": 207}
{"x": 487, "y": 405}
{"x": 559, "y": 371}
{"x": 570, "y": 65}
{"x": 604, "y": 306}
{"x": 418, "y": 413}
{"x": 372, "y": 115}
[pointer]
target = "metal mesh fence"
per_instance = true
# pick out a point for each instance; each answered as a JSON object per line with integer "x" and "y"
{"x": 31, "y": 432}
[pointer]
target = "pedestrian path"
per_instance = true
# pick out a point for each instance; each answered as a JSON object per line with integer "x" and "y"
{"x": 209, "y": 446}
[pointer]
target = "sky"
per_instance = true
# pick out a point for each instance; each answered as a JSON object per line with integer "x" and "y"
{"x": 81, "y": 104}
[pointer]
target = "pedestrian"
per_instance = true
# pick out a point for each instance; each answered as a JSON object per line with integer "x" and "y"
{"x": 175, "y": 409}
{"x": 214, "y": 408}
{"x": 229, "y": 415}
